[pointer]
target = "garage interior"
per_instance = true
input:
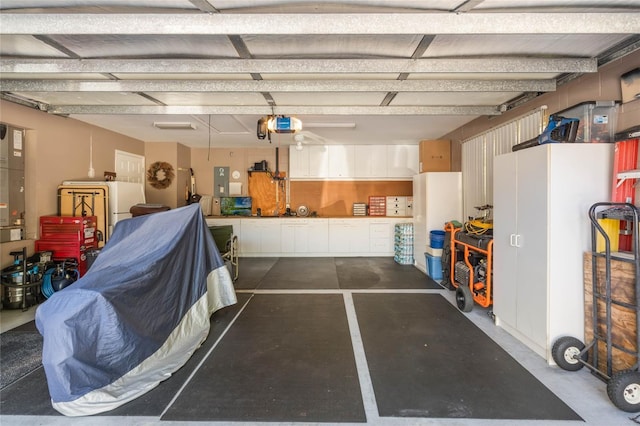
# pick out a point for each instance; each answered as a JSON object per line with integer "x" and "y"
{"x": 332, "y": 339}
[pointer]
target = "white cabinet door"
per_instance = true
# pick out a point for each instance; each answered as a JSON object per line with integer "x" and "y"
{"x": 532, "y": 245}
{"x": 294, "y": 236}
{"x": 341, "y": 161}
{"x": 370, "y": 161}
{"x": 402, "y": 160}
{"x": 381, "y": 236}
{"x": 339, "y": 236}
{"x": 305, "y": 236}
{"x": 288, "y": 236}
{"x": 318, "y": 236}
{"x": 298, "y": 163}
{"x": 347, "y": 236}
{"x": 318, "y": 160}
{"x": 360, "y": 236}
{"x": 261, "y": 236}
{"x": 505, "y": 238}
{"x": 520, "y": 244}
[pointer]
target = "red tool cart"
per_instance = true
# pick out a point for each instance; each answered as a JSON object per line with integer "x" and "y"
{"x": 68, "y": 237}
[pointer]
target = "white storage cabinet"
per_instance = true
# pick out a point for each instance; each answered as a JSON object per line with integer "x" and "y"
{"x": 541, "y": 200}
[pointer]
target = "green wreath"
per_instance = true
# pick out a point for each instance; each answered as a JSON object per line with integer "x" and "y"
{"x": 160, "y": 175}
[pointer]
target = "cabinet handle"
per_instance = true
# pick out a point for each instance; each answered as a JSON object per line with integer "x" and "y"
{"x": 516, "y": 240}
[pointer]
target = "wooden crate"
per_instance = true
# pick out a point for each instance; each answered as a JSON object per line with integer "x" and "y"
{"x": 623, "y": 320}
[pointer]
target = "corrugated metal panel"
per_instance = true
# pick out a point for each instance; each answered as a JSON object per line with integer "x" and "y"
{"x": 531, "y": 125}
{"x": 473, "y": 175}
{"x": 478, "y": 154}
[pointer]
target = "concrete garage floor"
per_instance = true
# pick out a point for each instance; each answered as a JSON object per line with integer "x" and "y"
{"x": 270, "y": 284}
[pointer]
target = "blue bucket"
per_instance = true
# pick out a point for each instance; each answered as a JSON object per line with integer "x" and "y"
{"x": 436, "y": 239}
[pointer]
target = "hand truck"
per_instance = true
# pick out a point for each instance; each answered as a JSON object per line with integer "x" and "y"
{"x": 623, "y": 386}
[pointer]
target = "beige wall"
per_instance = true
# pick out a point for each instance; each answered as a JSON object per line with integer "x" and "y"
{"x": 204, "y": 160}
{"x": 601, "y": 86}
{"x": 57, "y": 149}
{"x": 166, "y": 152}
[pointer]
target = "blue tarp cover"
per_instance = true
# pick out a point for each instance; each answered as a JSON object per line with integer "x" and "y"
{"x": 138, "y": 314}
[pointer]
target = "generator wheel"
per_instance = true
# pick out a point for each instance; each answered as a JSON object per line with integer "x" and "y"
{"x": 565, "y": 352}
{"x": 464, "y": 299}
{"x": 624, "y": 390}
{"x": 446, "y": 267}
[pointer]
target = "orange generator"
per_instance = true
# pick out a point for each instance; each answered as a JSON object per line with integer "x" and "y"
{"x": 468, "y": 265}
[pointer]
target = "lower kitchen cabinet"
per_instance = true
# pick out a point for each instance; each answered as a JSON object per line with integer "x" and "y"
{"x": 348, "y": 236}
{"x": 271, "y": 237}
{"x": 305, "y": 236}
{"x": 381, "y": 236}
{"x": 260, "y": 237}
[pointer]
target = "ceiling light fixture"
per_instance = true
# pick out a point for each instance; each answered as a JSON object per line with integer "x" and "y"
{"x": 174, "y": 125}
{"x": 282, "y": 124}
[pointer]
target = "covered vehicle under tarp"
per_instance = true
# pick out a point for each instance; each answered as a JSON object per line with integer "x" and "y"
{"x": 138, "y": 314}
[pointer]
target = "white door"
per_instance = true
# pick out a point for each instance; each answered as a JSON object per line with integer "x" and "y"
{"x": 129, "y": 167}
{"x": 505, "y": 238}
{"x": 532, "y": 277}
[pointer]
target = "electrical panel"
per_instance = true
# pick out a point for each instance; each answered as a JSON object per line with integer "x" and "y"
{"x": 12, "y": 183}
{"x": 221, "y": 181}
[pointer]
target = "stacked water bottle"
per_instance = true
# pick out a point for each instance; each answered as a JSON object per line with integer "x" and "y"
{"x": 403, "y": 243}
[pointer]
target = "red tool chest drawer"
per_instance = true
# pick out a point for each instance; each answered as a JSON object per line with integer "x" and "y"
{"x": 68, "y": 228}
{"x": 68, "y": 237}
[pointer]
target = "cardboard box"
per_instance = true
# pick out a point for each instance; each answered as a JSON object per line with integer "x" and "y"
{"x": 435, "y": 156}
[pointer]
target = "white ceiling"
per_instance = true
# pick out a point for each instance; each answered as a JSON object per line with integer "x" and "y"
{"x": 392, "y": 71}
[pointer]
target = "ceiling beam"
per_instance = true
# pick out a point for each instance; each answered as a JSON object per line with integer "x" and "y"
{"x": 279, "y": 86}
{"x": 467, "y": 6}
{"x": 329, "y": 23}
{"x": 267, "y": 110}
{"x": 204, "y": 6}
{"x": 314, "y": 66}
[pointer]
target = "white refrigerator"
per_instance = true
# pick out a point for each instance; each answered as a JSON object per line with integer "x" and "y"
{"x": 437, "y": 199}
{"x": 119, "y": 198}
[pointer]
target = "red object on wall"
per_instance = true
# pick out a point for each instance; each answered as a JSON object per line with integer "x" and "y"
{"x": 625, "y": 158}
{"x": 68, "y": 236}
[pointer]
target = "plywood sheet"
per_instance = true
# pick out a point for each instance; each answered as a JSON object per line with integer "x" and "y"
{"x": 267, "y": 194}
{"x": 623, "y": 319}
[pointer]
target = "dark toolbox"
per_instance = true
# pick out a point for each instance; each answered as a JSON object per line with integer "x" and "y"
{"x": 68, "y": 237}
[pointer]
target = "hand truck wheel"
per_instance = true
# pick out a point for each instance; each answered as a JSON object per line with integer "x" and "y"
{"x": 624, "y": 390}
{"x": 566, "y": 353}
